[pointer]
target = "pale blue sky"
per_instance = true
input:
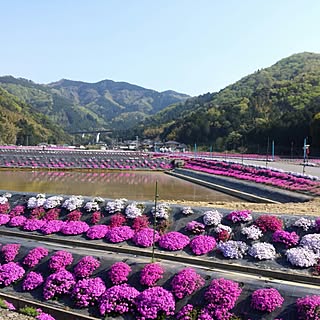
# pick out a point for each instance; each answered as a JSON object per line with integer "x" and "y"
{"x": 190, "y": 46}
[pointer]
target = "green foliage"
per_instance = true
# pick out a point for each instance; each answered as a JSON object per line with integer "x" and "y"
{"x": 3, "y": 304}
{"x": 29, "y": 311}
{"x": 280, "y": 102}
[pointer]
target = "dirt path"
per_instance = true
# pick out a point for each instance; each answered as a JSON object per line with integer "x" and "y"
{"x": 305, "y": 208}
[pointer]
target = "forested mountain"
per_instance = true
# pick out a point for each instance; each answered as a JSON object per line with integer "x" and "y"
{"x": 78, "y": 105}
{"x": 21, "y": 124}
{"x": 281, "y": 102}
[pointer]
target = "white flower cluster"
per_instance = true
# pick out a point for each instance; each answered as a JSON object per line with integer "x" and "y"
{"x": 311, "y": 242}
{"x": 37, "y": 201}
{"x": 117, "y": 205}
{"x": 222, "y": 227}
{"x": 253, "y": 232}
{"x": 233, "y": 249}
{"x": 305, "y": 223}
{"x": 91, "y": 206}
{"x": 187, "y": 211}
{"x": 212, "y": 218}
{"x": 98, "y": 199}
{"x": 73, "y": 203}
{"x": 262, "y": 251}
{"x": 162, "y": 211}
{"x": 134, "y": 210}
{"x": 3, "y": 200}
{"x": 302, "y": 257}
{"x": 52, "y": 202}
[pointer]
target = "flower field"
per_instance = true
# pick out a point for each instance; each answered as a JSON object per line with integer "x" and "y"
{"x": 107, "y": 285}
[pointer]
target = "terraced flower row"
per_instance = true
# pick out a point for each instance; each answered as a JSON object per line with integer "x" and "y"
{"x": 290, "y": 181}
{"x": 151, "y": 291}
{"x": 239, "y": 235}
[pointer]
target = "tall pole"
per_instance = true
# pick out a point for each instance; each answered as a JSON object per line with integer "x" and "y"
{"x": 211, "y": 151}
{"x": 195, "y": 150}
{"x": 267, "y": 156}
{"x": 304, "y": 155}
{"x": 272, "y": 150}
{"x": 156, "y": 196}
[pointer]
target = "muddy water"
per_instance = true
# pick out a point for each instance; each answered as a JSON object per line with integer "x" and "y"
{"x": 131, "y": 185}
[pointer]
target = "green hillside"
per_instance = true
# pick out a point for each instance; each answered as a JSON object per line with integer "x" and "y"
{"x": 21, "y": 124}
{"x": 281, "y": 102}
{"x": 78, "y": 105}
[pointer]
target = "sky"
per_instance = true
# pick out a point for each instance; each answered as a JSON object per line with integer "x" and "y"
{"x": 190, "y": 46}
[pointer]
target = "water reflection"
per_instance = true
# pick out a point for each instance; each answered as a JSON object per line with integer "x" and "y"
{"x": 131, "y": 185}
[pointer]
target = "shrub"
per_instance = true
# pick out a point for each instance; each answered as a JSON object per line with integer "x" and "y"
{"x": 195, "y": 227}
{"x": 10, "y": 251}
{"x": 60, "y": 260}
{"x": 212, "y": 218}
{"x": 202, "y": 244}
{"x": 145, "y": 237}
{"x": 301, "y": 257}
{"x": 34, "y": 256}
{"x": 269, "y": 223}
{"x": 290, "y": 239}
{"x": 86, "y": 266}
{"x": 233, "y": 249}
{"x": 239, "y": 216}
{"x": 173, "y": 241}
{"x": 308, "y": 307}
{"x": 117, "y": 220}
{"x": 262, "y": 251}
{"x": 97, "y": 232}
{"x": 10, "y": 272}
{"x": 150, "y": 274}
{"x": 140, "y": 223}
{"x": 119, "y": 234}
{"x": 32, "y": 281}
{"x": 119, "y": 272}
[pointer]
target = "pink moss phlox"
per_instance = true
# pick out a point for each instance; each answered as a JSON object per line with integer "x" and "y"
{"x": 118, "y": 299}
{"x": 10, "y": 272}
{"x": 308, "y": 307}
{"x": 117, "y": 220}
{"x": 58, "y": 283}
{"x": 37, "y": 213}
{"x": 10, "y": 251}
{"x": 119, "y": 272}
{"x": 269, "y": 223}
{"x": 16, "y": 211}
{"x": 140, "y": 223}
{"x": 266, "y": 299}
{"x": 74, "y": 227}
{"x": 33, "y": 224}
{"x": 34, "y": 256}
{"x": 87, "y": 291}
{"x": 202, "y": 244}
{"x": 60, "y": 260}
{"x": 119, "y": 234}
{"x": 239, "y": 216}
{"x": 17, "y": 221}
{"x": 32, "y": 280}
{"x": 154, "y": 302}
{"x": 4, "y": 218}
{"x": 97, "y": 232}
{"x": 150, "y": 274}
{"x": 74, "y": 215}
{"x": 222, "y": 293}
{"x": 195, "y": 227}
{"x": 145, "y": 237}
{"x": 96, "y": 217}
{"x": 86, "y": 266}
{"x": 52, "y": 226}
{"x": 52, "y": 214}
{"x": 173, "y": 241}
{"x": 186, "y": 282}
{"x": 290, "y": 239}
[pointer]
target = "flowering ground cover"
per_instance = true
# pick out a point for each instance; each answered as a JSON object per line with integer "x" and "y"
{"x": 277, "y": 178}
{"x": 137, "y": 289}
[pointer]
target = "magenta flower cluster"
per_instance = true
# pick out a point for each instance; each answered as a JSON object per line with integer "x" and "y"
{"x": 202, "y": 244}
{"x": 33, "y": 224}
{"x": 269, "y": 223}
{"x": 60, "y": 260}
{"x": 239, "y": 216}
{"x": 32, "y": 280}
{"x": 186, "y": 282}
{"x": 119, "y": 272}
{"x": 118, "y": 299}
{"x": 17, "y": 221}
{"x": 16, "y": 211}
{"x": 10, "y": 251}
{"x": 10, "y": 272}
{"x": 290, "y": 239}
{"x": 145, "y": 237}
{"x": 74, "y": 227}
{"x": 4, "y": 218}
{"x": 173, "y": 241}
{"x": 87, "y": 291}
{"x": 266, "y": 299}
{"x": 150, "y": 274}
{"x": 308, "y": 307}
{"x": 86, "y": 266}
{"x": 154, "y": 302}
{"x": 97, "y": 232}
{"x": 119, "y": 234}
{"x": 52, "y": 226}
{"x": 34, "y": 256}
{"x": 195, "y": 227}
{"x": 58, "y": 283}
